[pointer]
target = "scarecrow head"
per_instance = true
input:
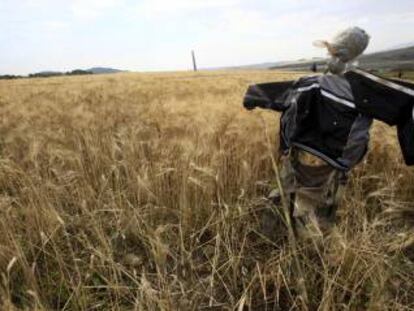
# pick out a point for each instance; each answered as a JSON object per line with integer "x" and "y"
{"x": 344, "y": 48}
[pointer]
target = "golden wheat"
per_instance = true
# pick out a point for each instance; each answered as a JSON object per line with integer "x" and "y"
{"x": 145, "y": 192}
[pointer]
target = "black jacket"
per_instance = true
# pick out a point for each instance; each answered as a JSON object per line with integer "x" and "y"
{"x": 330, "y": 115}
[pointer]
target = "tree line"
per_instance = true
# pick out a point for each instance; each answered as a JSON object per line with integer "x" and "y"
{"x": 75, "y": 72}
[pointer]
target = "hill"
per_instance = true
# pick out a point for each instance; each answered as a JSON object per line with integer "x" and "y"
{"x": 386, "y": 60}
{"x": 51, "y": 73}
{"x": 103, "y": 70}
{"x": 395, "y": 59}
{"x": 390, "y": 60}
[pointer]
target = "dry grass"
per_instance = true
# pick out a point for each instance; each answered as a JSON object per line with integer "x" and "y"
{"x": 145, "y": 192}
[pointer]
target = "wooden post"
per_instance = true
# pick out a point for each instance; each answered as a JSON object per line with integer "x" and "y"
{"x": 194, "y": 61}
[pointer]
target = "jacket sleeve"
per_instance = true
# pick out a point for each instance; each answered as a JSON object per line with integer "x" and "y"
{"x": 406, "y": 138}
{"x": 268, "y": 95}
{"x": 379, "y": 98}
{"x": 404, "y": 83}
{"x": 390, "y": 101}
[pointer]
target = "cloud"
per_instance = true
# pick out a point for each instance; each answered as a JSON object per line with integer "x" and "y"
{"x": 248, "y": 36}
{"x": 55, "y": 25}
{"x": 150, "y": 34}
{"x": 90, "y": 9}
{"x": 154, "y": 9}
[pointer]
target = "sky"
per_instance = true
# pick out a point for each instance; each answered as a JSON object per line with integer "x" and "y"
{"x": 158, "y": 35}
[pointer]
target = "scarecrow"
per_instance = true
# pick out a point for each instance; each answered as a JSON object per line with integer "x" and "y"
{"x": 324, "y": 128}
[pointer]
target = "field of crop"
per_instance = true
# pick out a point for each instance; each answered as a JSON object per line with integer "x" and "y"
{"x": 146, "y": 192}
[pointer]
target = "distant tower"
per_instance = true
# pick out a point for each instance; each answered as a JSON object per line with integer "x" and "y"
{"x": 194, "y": 61}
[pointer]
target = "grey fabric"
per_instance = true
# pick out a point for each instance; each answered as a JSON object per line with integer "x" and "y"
{"x": 288, "y": 121}
{"x": 314, "y": 192}
{"x": 336, "y": 66}
{"x": 357, "y": 143}
{"x": 337, "y": 85}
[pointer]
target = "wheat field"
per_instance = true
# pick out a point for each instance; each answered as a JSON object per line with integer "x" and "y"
{"x": 148, "y": 192}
